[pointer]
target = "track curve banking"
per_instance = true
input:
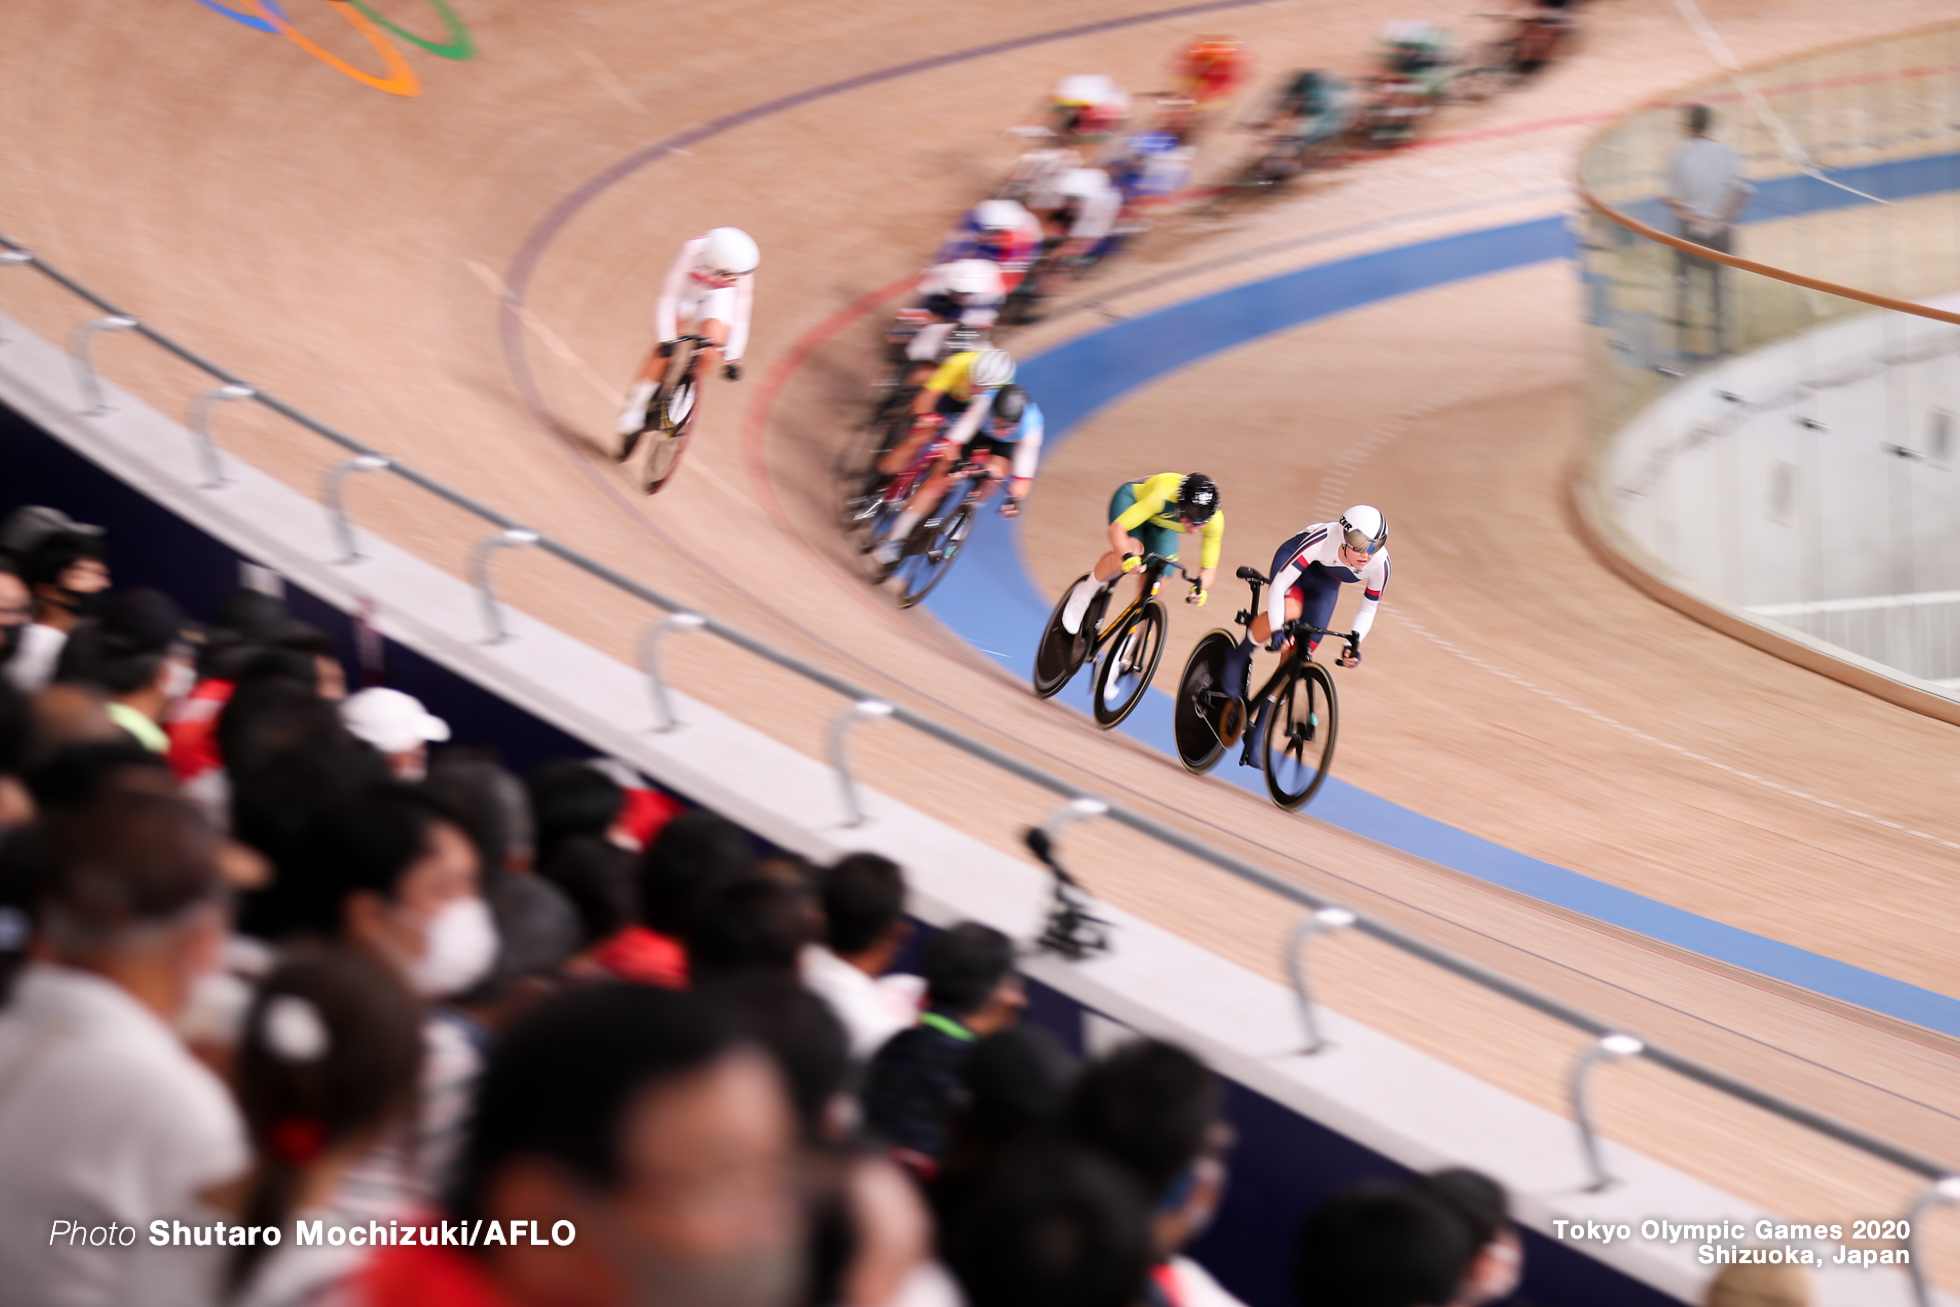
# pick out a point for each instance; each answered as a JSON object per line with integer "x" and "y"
{"x": 415, "y": 270}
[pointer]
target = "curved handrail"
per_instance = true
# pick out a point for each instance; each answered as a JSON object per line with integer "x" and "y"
{"x": 857, "y": 697}
{"x": 1688, "y": 94}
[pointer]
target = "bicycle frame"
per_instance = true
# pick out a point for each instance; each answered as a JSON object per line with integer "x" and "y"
{"x": 1298, "y": 632}
{"x": 1154, "y": 567}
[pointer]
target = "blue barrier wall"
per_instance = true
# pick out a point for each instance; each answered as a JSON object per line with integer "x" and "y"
{"x": 1286, "y": 1163}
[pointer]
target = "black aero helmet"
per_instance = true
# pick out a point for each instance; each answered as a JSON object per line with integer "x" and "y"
{"x": 1197, "y": 498}
{"x": 1010, "y": 402}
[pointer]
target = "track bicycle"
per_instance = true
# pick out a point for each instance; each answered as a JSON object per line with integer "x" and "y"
{"x": 1301, "y": 716}
{"x": 671, "y": 412}
{"x": 1126, "y": 649}
{"x": 927, "y": 554}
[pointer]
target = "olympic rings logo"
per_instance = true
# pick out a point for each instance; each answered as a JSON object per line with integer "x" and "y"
{"x": 399, "y": 77}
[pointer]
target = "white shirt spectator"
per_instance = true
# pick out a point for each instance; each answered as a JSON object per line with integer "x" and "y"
{"x": 872, "y": 1010}
{"x": 1705, "y": 177}
{"x": 32, "y": 666}
{"x": 104, "y": 1117}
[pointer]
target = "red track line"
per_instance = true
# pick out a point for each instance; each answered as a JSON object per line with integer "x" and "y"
{"x": 755, "y": 420}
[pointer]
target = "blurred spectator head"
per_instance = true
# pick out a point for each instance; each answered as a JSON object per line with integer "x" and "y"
{"x": 1017, "y": 1082}
{"x": 1698, "y": 118}
{"x": 67, "y": 572}
{"x": 864, "y": 911}
{"x": 131, "y": 889}
{"x": 1054, "y": 1227}
{"x": 82, "y": 773}
{"x": 691, "y": 850}
{"x": 140, "y": 650}
{"x": 598, "y": 879}
{"x": 571, "y": 797}
{"x": 392, "y": 874}
{"x": 1153, "y": 1109}
{"x": 16, "y": 608}
{"x": 748, "y": 923}
{"x": 970, "y": 974}
{"x": 637, "y": 1114}
{"x": 326, "y": 1066}
{"x": 30, "y": 524}
{"x": 71, "y": 714}
{"x": 286, "y": 756}
{"x": 870, "y": 1235}
{"x": 538, "y": 935}
{"x": 397, "y": 727}
{"x": 1765, "y": 1285}
{"x": 1379, "y": 1245}
{"x": 16, "y": 740}
{"x": 492, "y": 805}
{"x": 803, "y": 1035}
{"x": 1485, "y": 1209}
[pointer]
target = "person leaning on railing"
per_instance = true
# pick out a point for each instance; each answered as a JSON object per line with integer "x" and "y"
{"x": 1705, "y": 192}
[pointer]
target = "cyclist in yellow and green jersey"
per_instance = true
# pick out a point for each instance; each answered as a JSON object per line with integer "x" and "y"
{"x": 1146, "y": 517}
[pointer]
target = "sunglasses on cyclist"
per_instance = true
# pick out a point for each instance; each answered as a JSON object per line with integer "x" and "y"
{"x": 1361, "y": 544}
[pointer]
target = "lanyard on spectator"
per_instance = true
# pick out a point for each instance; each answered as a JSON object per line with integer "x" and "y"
{"x": 947, "y": 1026}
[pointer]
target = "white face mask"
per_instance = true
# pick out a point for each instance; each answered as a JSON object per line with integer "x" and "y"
{"x": 1496, "y": 1274}
{"x": 178, "y": 679}
{"x": 461, "y": 944}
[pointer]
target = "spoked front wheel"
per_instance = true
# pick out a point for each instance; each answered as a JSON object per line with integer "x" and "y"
{"x": 1059, "y": 655}
{"x": 1134, "y": 652}
{"x": 922, "y": 571}
{"x": 1300, "y": 724}
{"x": 670, "y": 433}
{"x": 1207, "y": 720}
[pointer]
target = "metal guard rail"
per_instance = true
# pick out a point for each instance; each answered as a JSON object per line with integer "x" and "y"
{"x": 1610, "y": 1043}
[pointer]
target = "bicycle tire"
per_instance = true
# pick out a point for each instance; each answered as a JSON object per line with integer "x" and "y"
{"x": 1126, "y": 671}
{"x": 675, "y": 424}
{"x": 1194, "y": 721}
{"x": 1299, "y": 746}
{"x": 1060, "y": 655}
{"x": 939, "y": 554}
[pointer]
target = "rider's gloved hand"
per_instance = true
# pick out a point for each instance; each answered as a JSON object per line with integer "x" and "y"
{"x": 667, "y": 348}
{"x": 1010, "y": 507}
{"x": 1131, "y": 562}
{"x": 1197, "y": 596}
{"x": 1351, "y": 656}
{"x": 733, "y": 371}
{"x": 1279, "y": 641}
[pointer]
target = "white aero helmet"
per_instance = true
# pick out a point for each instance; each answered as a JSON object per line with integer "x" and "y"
{"x": 998, "y": 215}
{"x": 731, "y": 252}
{"x": 1365, "y": 528}
{"x": 1081, "y": 183}
{"x": 973, "y": 277}
{"x": 992, "y": 370}
{"x": 1085, "y": 89}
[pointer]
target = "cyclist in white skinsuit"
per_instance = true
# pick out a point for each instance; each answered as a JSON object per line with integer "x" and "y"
{"x": 709, "y": 291}
{"x": 1308, "y": 573}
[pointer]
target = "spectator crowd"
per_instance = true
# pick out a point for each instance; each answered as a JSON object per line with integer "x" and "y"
{"x": 278, "y": 957}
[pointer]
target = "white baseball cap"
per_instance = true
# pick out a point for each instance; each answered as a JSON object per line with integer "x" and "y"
{"x": 391, "y": 721}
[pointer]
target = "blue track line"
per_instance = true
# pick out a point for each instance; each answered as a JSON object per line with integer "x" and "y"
{"x": 991, "y": 602}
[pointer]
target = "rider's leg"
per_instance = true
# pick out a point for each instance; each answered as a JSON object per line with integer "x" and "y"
{"x": 633, "y": 418}
{"x": 1108, "y": 569}
{"x": 924, "y": 500}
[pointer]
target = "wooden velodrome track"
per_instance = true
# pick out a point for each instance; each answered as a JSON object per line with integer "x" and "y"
{"x": 346, "y": 248}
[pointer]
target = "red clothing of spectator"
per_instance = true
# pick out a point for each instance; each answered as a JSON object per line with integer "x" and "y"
{"x": 646, "y": 811}
{"x": 192, "y": 726}
{"x": 420, "y": 1277}
{"x": 649, "y": 957}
